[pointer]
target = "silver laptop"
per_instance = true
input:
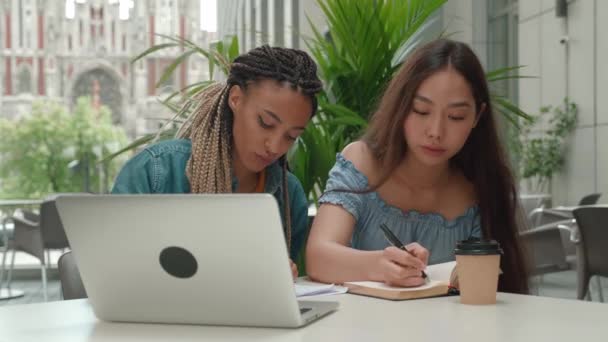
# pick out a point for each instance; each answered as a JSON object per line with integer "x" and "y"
{"x": 192, "y": 259}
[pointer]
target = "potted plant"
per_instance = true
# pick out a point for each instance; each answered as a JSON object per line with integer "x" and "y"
{"x": 367, "y": 41}
{"x": 539, "y": 146}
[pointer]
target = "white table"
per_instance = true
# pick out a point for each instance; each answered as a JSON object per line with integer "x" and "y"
{"x": 8, "y": 207}
{"x": 514, "y": 318}
{"x": 535, "y": 196}
{"x": 570, "y": 209}
{"x": 564, "y": 212}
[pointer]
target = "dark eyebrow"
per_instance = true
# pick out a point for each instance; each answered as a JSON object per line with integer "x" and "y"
{"x": 453, "y": 104}
{"x": 273, "y": 115}
{"x": 459, "y": 104}
{"x": 278, "y": 119}
{"x": 423, "y": 99}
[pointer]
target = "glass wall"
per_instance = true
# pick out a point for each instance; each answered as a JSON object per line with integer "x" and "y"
{"x": 502, "y": 42}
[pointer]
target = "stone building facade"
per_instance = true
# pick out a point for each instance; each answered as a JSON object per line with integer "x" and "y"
{"x": 57, "y": 49}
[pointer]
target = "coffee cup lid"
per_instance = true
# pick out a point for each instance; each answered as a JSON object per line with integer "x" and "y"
{"x": 476, "y": 246}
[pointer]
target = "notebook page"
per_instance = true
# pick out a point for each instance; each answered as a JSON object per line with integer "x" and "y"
{"x": 437, "y": 274}
{"x": 440, "y": 272}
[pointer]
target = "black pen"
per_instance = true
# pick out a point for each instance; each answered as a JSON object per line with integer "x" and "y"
{"x": 395, "y": 241}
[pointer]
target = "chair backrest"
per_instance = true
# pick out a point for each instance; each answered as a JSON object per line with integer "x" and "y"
{"x": 544, "y": 251}
{"x": 30, "y": 216}
{"x": 71, "y": 284}
{"x": 529, "y": 203}
{"x": 51, "y": 228}
{"x": 592, "y": 223}
{"x": 27, "y": 238}
{"x": 590, "y": 199}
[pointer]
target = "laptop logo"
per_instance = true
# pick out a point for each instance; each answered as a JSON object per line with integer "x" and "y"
{"x": 178, "y": 262}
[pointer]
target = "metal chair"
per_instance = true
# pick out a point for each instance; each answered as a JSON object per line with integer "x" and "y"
{"x": 545, "y": 246}
{"x": 553, "y": 238}
{"x": 37, "y": 235}
{"x": 592, "y": 254}
{"x": 546, "y": 231}
{"x": 590, "y": 199}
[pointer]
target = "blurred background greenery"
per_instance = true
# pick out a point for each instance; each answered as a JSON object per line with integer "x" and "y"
{"x": 56, "y": 150}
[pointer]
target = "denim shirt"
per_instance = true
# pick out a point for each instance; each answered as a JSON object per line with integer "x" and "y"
{"x": 431, "y": 230}
{"x": 161, "y": 169}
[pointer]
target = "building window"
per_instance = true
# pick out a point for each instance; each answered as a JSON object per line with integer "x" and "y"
{"x": 279, "y": 23}
{"x": 113, "y": 34}
{"x": 295, "y": 23}
{"x": 503, "y": 43}
{"x": 80, "y": 32}
{"x": 264, "y": 21}
{"x": 2, "y": 26}
{"x": 24, "y": 80}
{"x": 243, "y": 33}
{"x": 252, "y": 13}
{"x": 20, "y": 23}
{"x": 170, "y": 84}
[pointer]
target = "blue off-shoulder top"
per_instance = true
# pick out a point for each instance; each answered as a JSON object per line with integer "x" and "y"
{"x": 430, "y": 230}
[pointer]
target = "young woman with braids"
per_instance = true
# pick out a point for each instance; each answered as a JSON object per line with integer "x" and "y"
{"x": 236, "y": 138}
{"x": 430, "y": 166}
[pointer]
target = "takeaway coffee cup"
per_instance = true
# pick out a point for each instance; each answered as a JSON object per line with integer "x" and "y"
{"x": 478, "y": 267}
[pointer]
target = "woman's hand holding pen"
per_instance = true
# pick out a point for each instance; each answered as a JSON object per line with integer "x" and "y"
{"x": 294, "y": 269}
{"x": 400, "y": 268}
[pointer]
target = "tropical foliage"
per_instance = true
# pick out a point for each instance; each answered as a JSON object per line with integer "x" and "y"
{"x": 365, "y": 44}
{"x": 219, "y": 57}
{"x": 541, "y": 142}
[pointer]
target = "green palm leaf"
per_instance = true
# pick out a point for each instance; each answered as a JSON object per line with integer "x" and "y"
{"x": 152, "y": 50}
{"x": 365, "y": 44}
{"x": 219, "y": 55}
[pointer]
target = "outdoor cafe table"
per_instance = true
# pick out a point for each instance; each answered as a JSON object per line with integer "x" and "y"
{"x": 515, "y": 318}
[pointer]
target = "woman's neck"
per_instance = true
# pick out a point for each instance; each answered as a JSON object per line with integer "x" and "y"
{"x": 247, "y": 179}
{"x": 422, "y": 177}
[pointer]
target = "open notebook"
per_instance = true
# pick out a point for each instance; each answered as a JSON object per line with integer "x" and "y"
{"x": 437, "y": 284}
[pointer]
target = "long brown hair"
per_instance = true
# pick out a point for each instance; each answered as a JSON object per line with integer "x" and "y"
{"x": 482, "y": 159}
{"x": 209, "y": 126}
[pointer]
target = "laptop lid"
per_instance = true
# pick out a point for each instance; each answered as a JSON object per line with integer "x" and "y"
{"x": 194, "y": 259}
